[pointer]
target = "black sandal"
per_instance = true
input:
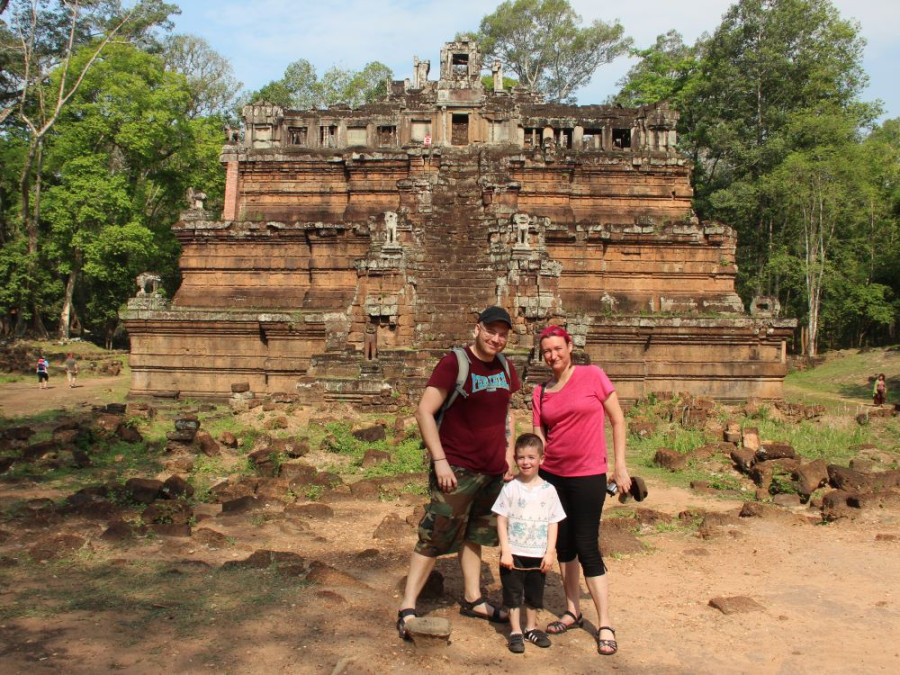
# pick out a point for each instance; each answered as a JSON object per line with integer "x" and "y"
{"x": 401, "y": 622}
{"x": 608, "y": 644}
{"x": 467, "y": 608}
{"x": 559, "y": 627}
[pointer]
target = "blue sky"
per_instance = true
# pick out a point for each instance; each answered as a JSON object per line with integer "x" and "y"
{"x": 262, "y": 37}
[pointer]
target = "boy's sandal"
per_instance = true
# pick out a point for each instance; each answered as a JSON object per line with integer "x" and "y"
{"x": 538, "y": 637}
{"x": 467, "y": 608}
{"x": 611, "y": 646}
{"x": 401, "y": 622}
{"x": 559, "y": 626}
{"x": 516, "y": 643}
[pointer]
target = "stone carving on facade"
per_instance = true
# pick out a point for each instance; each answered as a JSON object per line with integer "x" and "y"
{"x": 497, "y": 74}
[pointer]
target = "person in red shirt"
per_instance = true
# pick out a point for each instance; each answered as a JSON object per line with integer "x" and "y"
{"x": 471, "y": 455}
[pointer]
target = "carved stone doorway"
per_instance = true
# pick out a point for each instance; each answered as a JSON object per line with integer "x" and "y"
{"x": 460, "y": 134}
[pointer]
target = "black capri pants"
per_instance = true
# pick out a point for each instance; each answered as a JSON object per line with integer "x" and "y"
{"x": 582, "y": 499}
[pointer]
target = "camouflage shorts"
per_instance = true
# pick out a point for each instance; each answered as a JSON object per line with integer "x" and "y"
{"x": 462, "y": 515}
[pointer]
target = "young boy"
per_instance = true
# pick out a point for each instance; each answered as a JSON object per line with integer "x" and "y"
{"x": 528, "y": 513}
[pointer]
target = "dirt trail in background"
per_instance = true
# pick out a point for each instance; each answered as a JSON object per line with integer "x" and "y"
{"x": 18, "y": 399}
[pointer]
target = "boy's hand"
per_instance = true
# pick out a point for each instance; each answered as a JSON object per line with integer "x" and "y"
{"x": 548, "y": 561}
{"x": 506, "y": 560}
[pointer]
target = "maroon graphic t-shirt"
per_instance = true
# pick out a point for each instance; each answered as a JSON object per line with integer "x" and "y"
{"x": 473, "y": 433}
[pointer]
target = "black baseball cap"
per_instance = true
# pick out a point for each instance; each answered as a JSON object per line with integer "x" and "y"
{"x": 495, "y": 313}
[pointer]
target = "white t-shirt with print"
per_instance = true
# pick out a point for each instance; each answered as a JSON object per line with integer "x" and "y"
{"x": 530, "y": 510}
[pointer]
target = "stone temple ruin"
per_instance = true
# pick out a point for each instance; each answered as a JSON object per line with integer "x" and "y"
{"x": 356, "y": 245}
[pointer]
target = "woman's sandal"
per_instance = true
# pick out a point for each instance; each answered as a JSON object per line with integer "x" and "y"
{"x": 559, "y": 626}
{"x": 401, "y": 622}
{"x": 467, "y": 608}
{"x": 610, "y": 645}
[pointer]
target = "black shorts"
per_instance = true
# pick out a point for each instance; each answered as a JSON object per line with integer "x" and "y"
{"x": 526, "y": 582}
{"x": 43, "y": 377}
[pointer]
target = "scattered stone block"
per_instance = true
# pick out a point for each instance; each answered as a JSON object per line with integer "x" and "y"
{"x": 310, "y": 510}
{"x": 240, "y": 505}
{"x": 128, "y": 433}
{"x": 750, "y": 439}
{"x": 670, "y": 459}
{"x": 641, "y": 429}
{"x": 769, "y": 450}
{"x": 743, "y": 459}
{"x": 108, "y": 423}
{"x": 284, "y": 562}
{"x": 737, "y": 604}
{"x": 207, "y": 444}
{"x": 786, "y": 499}
{"x": 849, "y": 480}
{"x": 375, "y": 457}
{"x": 429, "y": 633}
{"x": 175, "y": 486}
{"x": 391, "y": 527}
{"x": 143, "y": 490}
{"x": 326, "y": 575}
{"x": 370, "y": 434}
{"x": 228, "y": 439}
{"x": 811, "y": 476}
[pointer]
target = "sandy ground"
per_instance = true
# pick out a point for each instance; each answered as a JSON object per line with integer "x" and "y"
{"x": 827, "y": 598}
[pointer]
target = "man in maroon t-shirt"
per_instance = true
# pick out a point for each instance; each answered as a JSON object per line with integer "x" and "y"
{"x": 471, "y": 455}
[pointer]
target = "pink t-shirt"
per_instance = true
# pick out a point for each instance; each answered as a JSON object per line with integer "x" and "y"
{"x": 574, "y": 422}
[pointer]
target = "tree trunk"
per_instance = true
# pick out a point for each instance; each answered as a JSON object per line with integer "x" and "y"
{"x": 65, "y": 316}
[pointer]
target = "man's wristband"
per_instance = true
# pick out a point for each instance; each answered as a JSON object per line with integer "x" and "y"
{"x": 442, "y": 459}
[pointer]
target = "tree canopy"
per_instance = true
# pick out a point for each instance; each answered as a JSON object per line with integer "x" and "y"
{"x": 542, "y": 43}
{"x": 301, "y": 89}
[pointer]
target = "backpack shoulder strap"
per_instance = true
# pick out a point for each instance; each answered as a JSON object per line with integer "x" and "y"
{"x": 462, "y": 374}
{"x": 505, "y": 364}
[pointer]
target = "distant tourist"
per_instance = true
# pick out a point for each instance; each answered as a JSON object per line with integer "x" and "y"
{"x": 471, "y": 454}
{"x": 569, "y": 413}
{"x": 528, "y": 514}
{"x": 71, "y": 366}
{"x": 43, "y": 372}
{"x": 879, "y": 392}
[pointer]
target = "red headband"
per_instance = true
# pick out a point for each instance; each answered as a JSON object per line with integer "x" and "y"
{"x": 555, "y": 331}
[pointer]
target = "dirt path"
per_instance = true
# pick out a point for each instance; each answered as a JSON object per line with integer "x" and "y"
{"x": 18, "y": 399}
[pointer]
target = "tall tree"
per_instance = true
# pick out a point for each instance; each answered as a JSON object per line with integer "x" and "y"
{"x": 301, "y": 89}
{"x": 209, "y": 75}
{"x": 121, "y": 157}
{"x": 666, "y": 71}
{"x": 541, "y": 42}
{"x": 45, "y": 37}
{"x": 768, "y": 60}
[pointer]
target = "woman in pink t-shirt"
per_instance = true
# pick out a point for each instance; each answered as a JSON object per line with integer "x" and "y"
{"x": 569, "y": 413}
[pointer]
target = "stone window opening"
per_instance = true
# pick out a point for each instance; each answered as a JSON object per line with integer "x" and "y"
{"x": 460, "y": 64}
{"x": 297, "y": 135}
{"x": 564, "y": 138}
{"x": 592, "y": 139}
{"x": 460, "y": 130}
{"x": 328, "y": 135}
{"x": 387, "y": 135}
{"x": 532, "y": 137}
{"x": 621, "y": 138}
